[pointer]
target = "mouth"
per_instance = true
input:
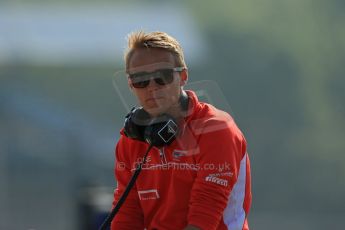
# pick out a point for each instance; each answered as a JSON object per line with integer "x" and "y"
{"x": 154, "y": 102}
{"x": 154, "y": 99}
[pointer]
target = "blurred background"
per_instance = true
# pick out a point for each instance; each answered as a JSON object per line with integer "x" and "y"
{"x": 279, "y": 64}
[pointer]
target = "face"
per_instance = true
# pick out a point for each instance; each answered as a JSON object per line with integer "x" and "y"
{"x": 156, "y": 98}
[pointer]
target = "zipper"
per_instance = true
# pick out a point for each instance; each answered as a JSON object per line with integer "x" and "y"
{"x": 162, "y": 156}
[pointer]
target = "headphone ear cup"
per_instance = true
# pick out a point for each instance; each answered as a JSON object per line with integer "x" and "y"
{"x": 136, "y": 122}
{"x": 158, "y": 131}
{"x": 161, "y": 131}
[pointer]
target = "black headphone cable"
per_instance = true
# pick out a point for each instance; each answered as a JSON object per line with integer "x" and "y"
{"x": 123, "y": 197}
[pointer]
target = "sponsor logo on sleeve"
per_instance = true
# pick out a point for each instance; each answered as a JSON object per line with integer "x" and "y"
{"x": 217, "y": 180}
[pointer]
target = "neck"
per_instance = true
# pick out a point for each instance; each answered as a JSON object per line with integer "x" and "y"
{"x": 179, "y": 109}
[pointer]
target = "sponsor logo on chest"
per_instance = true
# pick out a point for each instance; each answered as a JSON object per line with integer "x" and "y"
{"x": 151, "y": 194}
{"x": 177, "y": 154}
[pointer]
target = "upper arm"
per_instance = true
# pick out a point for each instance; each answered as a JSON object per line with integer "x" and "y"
{"x": 221, "y": 151}
{"x": 130, "y": 215}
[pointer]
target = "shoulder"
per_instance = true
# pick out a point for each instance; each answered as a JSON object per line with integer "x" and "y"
{"x": 218, "y": 133}
{"x": 209, "y": 119}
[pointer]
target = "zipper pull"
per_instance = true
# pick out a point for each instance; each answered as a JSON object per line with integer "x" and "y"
{"x": 161, "y": 152}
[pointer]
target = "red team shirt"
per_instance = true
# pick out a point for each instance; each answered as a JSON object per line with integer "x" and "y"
{"x": 201, "y": 179}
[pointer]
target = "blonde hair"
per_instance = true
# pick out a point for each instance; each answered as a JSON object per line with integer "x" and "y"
{"x": 157, "y": 39}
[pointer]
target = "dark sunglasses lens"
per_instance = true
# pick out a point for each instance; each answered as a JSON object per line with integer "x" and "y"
{"x": 140, "y": 84}
{"x": 161, "y": 77}
{"x": 139, "y": 80}
{"x": 164, "y": 77}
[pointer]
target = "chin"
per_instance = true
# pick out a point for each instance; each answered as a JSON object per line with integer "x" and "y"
{"x": 155, "y": 111}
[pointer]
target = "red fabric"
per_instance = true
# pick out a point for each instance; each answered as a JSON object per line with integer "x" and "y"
{"x": 188, "y": 182}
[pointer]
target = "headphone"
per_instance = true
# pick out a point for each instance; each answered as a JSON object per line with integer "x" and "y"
{"x": 157, "y": 131}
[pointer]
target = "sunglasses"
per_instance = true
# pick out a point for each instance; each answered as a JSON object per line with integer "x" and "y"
{"x": 161, "y": 77}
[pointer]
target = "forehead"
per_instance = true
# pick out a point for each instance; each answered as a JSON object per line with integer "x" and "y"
{"x": 150, "y": 59}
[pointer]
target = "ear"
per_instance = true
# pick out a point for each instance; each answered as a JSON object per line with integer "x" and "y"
{"x": 184, "y": 77}
{"x": 129, "y": 84}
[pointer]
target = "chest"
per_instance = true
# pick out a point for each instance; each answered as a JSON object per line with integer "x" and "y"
{"x": 166, "y": 171}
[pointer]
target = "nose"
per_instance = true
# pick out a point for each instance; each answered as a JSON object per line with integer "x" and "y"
{"x": 152, "y": 84}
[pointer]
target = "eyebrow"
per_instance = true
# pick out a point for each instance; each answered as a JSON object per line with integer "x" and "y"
{"x": 144, "y": 72}
{"x": 178, "y": 69}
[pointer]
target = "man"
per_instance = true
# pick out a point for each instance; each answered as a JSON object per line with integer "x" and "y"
{"x": 199, "y": 181}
